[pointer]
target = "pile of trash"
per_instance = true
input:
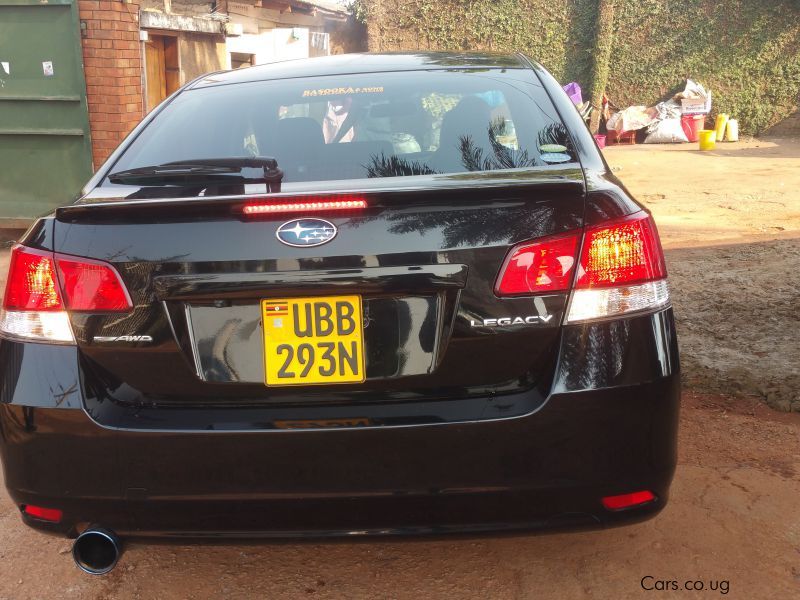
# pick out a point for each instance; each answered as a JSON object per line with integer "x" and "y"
{"x": 680, "y": 119}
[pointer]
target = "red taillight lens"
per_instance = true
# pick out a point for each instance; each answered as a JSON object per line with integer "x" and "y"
{"x": 87, "y": 285}
{"x": 42, "y": 286}
{"x": 305, "y": 204}
{"x": 54, "y": 515}
{"x": 32, "y": 282}
{"x": 621, "y": 269}
{"x": 545, "y": 265}
{"x": 92, "y": 285}
{"x": 628, "y": 500}
{"x": 621, "y": 253}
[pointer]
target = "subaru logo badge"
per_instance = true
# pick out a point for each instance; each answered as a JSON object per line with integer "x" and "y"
{"x": 302, "y": 233}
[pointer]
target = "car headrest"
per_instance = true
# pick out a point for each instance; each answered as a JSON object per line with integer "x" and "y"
{"x": 299, "y": 133}
{"x": 470, "y": 118}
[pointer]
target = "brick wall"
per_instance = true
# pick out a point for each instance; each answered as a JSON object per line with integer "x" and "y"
{"x": 113, "y": 67}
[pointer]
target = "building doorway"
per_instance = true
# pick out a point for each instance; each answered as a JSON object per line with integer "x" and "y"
{"x": 162, "y": 72}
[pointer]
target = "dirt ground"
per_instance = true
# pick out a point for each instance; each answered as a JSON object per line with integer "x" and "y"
{"x": 730, "y": 224}
{"x": 730, "y": 221}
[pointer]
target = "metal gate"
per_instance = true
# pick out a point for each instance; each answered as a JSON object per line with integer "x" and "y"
{"x": 45, "y": 150}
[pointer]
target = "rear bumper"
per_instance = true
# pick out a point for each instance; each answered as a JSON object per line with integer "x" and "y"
{"x": 549, "y": 469}
{"x": 545, "y": 469}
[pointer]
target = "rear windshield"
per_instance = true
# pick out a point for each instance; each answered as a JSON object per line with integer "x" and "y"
{"x": 375, "y": 125}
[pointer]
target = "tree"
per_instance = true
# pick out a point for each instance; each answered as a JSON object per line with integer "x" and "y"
{"x": 601, "y": 55}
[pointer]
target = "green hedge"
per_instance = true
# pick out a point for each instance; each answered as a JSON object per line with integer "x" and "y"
{"x": 746, "y": 51}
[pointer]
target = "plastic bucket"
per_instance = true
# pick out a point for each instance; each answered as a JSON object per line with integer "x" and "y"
{"x": 600, "y": 139}
{"x": 732, "y": 133}
{"x": 719, "y": 126}
{"x": 692, "y": 124}
{"x": 708, "y": 138}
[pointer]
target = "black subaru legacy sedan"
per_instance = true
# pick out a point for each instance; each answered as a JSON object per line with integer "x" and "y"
{"x": 362, "y": 294}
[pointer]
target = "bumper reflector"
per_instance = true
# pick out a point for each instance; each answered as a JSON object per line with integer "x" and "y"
{"x": 53, "y": 515}
{"x": 628, "y": 500}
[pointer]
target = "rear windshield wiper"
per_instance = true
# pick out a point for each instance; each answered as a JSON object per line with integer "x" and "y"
{"x": 204, "y": 170}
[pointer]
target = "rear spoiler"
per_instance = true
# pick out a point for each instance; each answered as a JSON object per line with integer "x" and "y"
{"x": 460, "y": 188}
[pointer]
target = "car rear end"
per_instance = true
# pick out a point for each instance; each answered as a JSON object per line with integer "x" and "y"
{"x": 452, "y": 317}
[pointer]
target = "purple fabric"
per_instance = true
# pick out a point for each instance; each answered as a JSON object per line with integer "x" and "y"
{"x": 574, "y": 92}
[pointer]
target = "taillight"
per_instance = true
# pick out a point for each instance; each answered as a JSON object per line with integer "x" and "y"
{"x": 33, "y": 308}
{"x": 623, "y": 252}
{"x": 32, "y": 282}
{"x": 543, "y": 266}
{"x": 620, "y": 270}
{"x": 43, "y": 286}
{"x": 91, "y": 286}
{"x": 304, "y": 204}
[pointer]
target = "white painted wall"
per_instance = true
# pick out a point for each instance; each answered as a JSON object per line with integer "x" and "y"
{"x": 271, "y": 45}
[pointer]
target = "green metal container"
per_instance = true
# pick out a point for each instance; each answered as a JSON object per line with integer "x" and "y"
{"x": 45, "y": 149}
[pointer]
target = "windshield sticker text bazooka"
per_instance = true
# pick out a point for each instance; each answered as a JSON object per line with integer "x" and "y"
{"x": 342, "y": 90}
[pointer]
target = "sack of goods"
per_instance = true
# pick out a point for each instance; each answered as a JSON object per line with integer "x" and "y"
{"x": 666, "y": 128}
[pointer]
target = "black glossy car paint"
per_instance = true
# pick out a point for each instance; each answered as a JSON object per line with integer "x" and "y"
{"x": 482, "y": 428}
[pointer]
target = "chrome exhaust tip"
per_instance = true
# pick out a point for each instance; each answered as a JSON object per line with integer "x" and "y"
{"x": 96, "y": 551}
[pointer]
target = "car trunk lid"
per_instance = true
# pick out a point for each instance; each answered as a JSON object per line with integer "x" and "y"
{"x": 424, "y": 262}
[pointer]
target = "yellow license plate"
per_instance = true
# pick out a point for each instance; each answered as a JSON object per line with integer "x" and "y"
{"x": 313, "y": 340}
